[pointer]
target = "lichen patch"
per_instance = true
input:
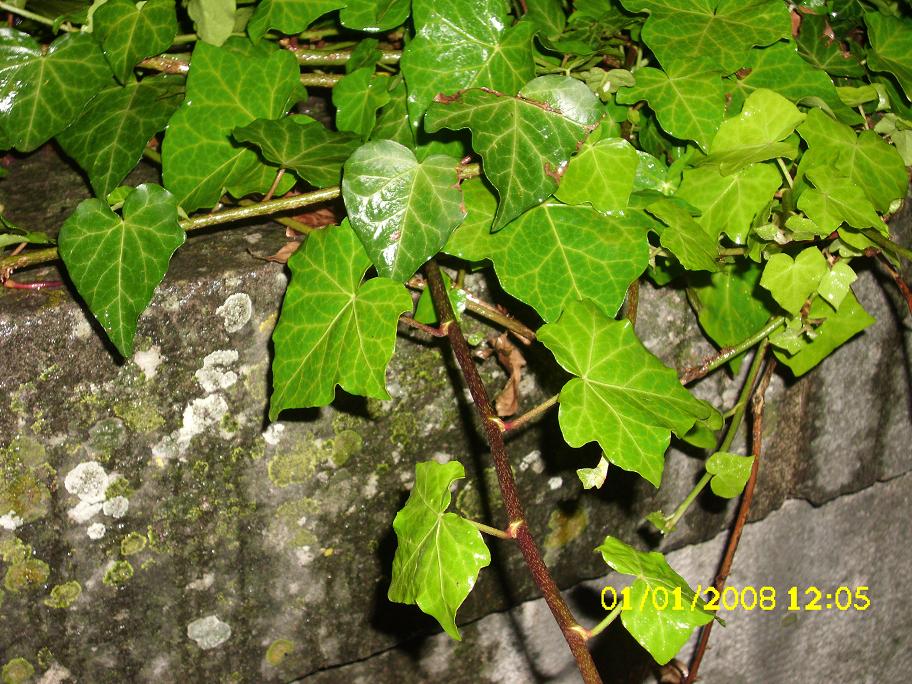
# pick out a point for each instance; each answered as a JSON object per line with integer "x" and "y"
{"x": 209, "y": 632}
{"x": 236, "y": 311}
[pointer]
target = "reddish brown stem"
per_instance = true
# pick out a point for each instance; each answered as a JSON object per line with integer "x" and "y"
{"x": 430, "y": 330}
{"x": 37, "y": 285}
{"x": 572, "y": 631}
{"x": 900, "y": 283}
{"x": 757, "y": 404}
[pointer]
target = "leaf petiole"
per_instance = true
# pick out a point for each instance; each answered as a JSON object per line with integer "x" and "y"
{"x": 487, "y": 529}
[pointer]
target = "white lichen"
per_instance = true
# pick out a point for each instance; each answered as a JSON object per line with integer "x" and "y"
{"x": 209, "y": 632}
{"x": 199, "y": 415}
{"x": 96, "y": 531}
{"x": 10, "y": 521}
{"x": 236, "y": 311}
{"x": 203, "y": 583}
{"x": 273, "y": 434}
{"x": 116, "y": 507}
{"x": 88, "y": 481}
{"x": 555, "y": 483}
{"x": 216, "y": 373}
{"x": 532, "y": 460}
{"x": 148, "y": 361}
{"x": 83, "y": 512}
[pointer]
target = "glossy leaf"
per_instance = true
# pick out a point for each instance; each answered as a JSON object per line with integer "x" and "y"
{"x": 821, "y": 51}
{"x": 213, "y": 19}
{"x": 116, "y": 263}
{"x": 730, "y": 473}
{"x": 364, "y": 54}
{"x": 302, "y": 144}
{"x": 439, "y": 554}
{"x": 374, "y": 15}
{"x": 227, "y": 87}
{"x": 333, "y": 329}
{"x": 463, "y": 45}
{"x": 288, "y": 16}
{"x": 723, "y": 30}
{"x": 128, "y": 33}
{"x": 602, "y": 175}
{"x": 661, "y": 632}
{"x": 727, "y": 305}
{"x": 403, "y": 210}
{"x": 690, "y": 242}
{"x": 42, "y": 93}
{"x": 792, "y": 281}
{"x": 835, "y": 199}
{"x": 108, "y": 139}
{"x": 836, "y": 283}
{"x": 524, "y": 146}
{"x": 548, "y": 17}
{"x": 686, "y": 96}
{"x": 622, "y": 396}
{"x": 891, "y": 47}
{"x": 357, "y": 97}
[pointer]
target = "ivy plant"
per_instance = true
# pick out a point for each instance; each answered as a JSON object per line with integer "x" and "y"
{"x": 751, "y": 152}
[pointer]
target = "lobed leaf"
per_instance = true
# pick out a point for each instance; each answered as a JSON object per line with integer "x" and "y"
{"x": 602, "y": 174}
{"x": 288, "y": 16}
{"x": 792, "y": 281}
{"x": 213, "y": 19}
{"x": 128, "y": 34}
{"x": 728, "y": 309}
{"x": 891, "y": 47}
{"x": 374, "y": 15}
{"x": 357, "y": 97}
{"x": 836, "y": 284}
{"x": 694, "y": 246}
{"x": 834, "y": 200}
{"x": 730, "y": 473}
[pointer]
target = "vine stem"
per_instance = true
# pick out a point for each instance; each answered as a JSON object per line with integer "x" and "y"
{"x": 339, "y": 57}
{"x": 572, "y": 631}
{"x": 758, "y": 403}
{"x": 888, "y": 244}
{"x": 25, "y": 14}
{"x": 728, "y": 353}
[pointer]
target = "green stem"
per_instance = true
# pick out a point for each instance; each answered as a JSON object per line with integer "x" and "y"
{"x": 727, "y": 354}
{"x": 339, "y": 57}
{"x": 603, "y": 625}
{"x": 672, "y": 521}
{"x": 888, "y": 244}
{"x": 785, "y": 173}
{"x": 732, "y": 251}
{"x": 531, "y": 415}
{"x": 487, "y": 529}
{"x": 153, "y": 156}
{"x": 25, "y": 14}
{"x": 320, "y": 80}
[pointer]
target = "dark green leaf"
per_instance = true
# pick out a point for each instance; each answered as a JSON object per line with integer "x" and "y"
{"x": 364, "y": 54}
{"x": 357, "y": 97}
{"x": 288, "y": 16}
{"x": 547, "y": 15}
{"x": 730, "y": 473}
{"x": 374, "y": 15}
{"x": 694, "y": 246}
{"x": 128, "y": 34}
{"x": 822, "y": 51}
{"x": 891, "y": 47}
{"x": 728, "y": 310}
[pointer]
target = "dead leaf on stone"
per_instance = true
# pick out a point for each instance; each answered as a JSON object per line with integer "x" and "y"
{"x": 507, "y": 401}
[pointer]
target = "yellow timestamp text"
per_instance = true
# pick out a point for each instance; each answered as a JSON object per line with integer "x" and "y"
{"x": 763, "y": 598}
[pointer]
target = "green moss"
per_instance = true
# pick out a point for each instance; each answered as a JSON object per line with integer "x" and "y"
{"x": 119, "y": 573}
{"x": 26, "y": 575}
{"x": 45, "y": 658}
{"x": 278, "y": 650}
{"x": 345, "y": 445}
{"x": 132, "y": 544}
{"x": 23, "y": 475}
{"x": 295, "y": 467}
{"x": 565, "y": 527}
{"x": 107, "y": 435}
{"x": 289, "y": 516}
{"x": 17, "y": 671}
{"x": 120, "y": 486}
{"x": 139, "y": 415}
{"x": 63, "y": 595}
{"x": 229, "y": 423}
{"x": 403, "y": 429}
{"x": 14, "y": 550}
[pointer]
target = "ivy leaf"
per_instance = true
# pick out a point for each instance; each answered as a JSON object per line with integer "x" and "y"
{"x": 891, "y": 47}
{"x": 849, "y": 320}
{"x": 724, "y": 30}
{"x": 661, "y": 632}
{"x": 426, "y": 312}
{"x": 439, "y": 554}
{"x": 333, "y": 329}
{"x": 288, "y": 16}
{"x": 227, "y": 87}
{"x": 601, "y": 174}
{"x": 835, "y": 199}
{"x": 547, "y": 15}
{"x": 525, "y": 147}
{"x": 116, "y": 263}
{"x": 301, "y": 144}
{"x": 392, "y": 121}
{"x": 463, "y": 45}
{"x": 128, "y": 34}
{"x": 403, "y": 210}
{"x": 727, "y": 308}
{"x": 213, "y": 19}
{"x": 108, "y": 139}
{"x": 836, "y": 284}
{"x": 364, "y": 54}
{"x": 822, "y": 52}
{"x": 374, "y": 15}
{"x": 730, "y": 473}
{"x": 623, "y": 397}
{"x": 41, "y": 93}
{"x": 756, "y": 133}
{"x": 729, "y": 203}
{"x": 792, "y": 281}
{"x": 594, "y": 477}
{"x": 687, "y": 98}
{"x": 357, "y": 97}
{"x": 690, "y": 242}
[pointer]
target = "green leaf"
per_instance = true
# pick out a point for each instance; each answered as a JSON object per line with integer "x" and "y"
{"x": 525, "y": 147}
{"x": 288, "y": 16}
{"x": 661, "y": 632}
{"x": 891, "y": 47}
{"x": 108, "y": 139}
{"x": 463, "y": 45}
{"x": 690, "y": 242}
{"x": 333, "y": 329}
{"x": 403, "y": 210}
{"x": 357, "y": 97}
{"x": 439, "y": 554}
{"x": 227, "y": 87}
{"x": 301, "y": 144}
{"x": 213, "y": 19}
{"x": 835, "y": 199}
{"x": 824, "y": 53}
{"x": 41, "y": 93}
{"x": 849, "y": 320}
{"x": 756, "y": 133}
{"x": 836, "y": 284}
{"x": 128, "y": 34}
{"x": 623, "y": 397}
{"x": 374, "y": 15}
{"x": 364, "y": 54}
{"x": 18, "y": 235}
{"x": 547, "y": 16}
{"x": 730, "y": 473}
{"x": 594, "y": 477}
{"x": 723, "y": 30}
{"x": 116, "y": 263}
{"x": 687, "y": 98}
{"x": 729, "y": 203}
{"x": 792, "y": 281}
{"x": 727, "y": 308}
{"x": 392, "y": 121}
{"x": 601, "y": 174}
{"x": 426, "y": 313}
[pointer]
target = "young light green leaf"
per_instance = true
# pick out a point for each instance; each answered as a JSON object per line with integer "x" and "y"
{"x": 756, "y": 134}
{"x": 687, "y": 98}
{"x": 835, "y": 199}
{"x": 333, "y": 329}
{"x": 730, "y": 473}
{"x": 690, "y": 242}
{"x": 227, "y": 87}
{"x": 593, "y": 478}
{"x": 213, "y": 19}
{"x": 128, "y": 34}
{"x": 374, "y": 15}
{"x": 403, "y": 210}
{"x": 357, "y": 97}
{"x": 661, "y": 632}
{"x": 792, "y": 281}
{"x": 288, "y": 16}
{"x": 302, "y": 144}
{"x": 439, "y": 554}
{"x": 525, "y": 147}
{"x": 108, "y": 139}
{"x": 727, "y": 307}
{"x": 601, "y": 174}
{"x": 836, "y": 283}
{"x": 42, "y": 92}
{"x": 116, "y": 263}
{"x": 724, "y": 31}
{"x": 891, "y": 47}
{"x": 463, "y": 45}
{"x": 623, "y": 397}
{"x": 729, "y": 203}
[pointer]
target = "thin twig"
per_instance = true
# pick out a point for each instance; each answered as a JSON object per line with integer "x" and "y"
{"x": 728, "y": 353}
{"x": 339, "y": 57}
{"x": 900, "y": 283}
{"x": 429, "y": 329}
{"x": 532, "y": 414}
